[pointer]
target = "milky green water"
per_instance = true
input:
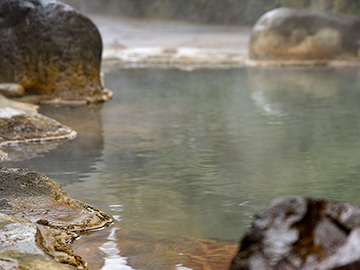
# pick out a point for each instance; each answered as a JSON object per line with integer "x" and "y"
{"x": 198, "y": 153}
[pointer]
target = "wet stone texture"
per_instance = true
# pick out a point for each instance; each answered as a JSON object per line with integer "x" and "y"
{"x": 300, "y": 233}
{"x": 54, "y": 218}
{"x": 18, "y": 248}
{"x": 286, "y": 33}
{"x": 52, "y": 50}
{"x": 20, "y": 123}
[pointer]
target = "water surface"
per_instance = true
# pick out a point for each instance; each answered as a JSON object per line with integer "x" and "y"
{"x": 196, "y": 154}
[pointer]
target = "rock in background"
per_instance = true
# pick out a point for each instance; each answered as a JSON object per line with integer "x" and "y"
{"x": 52, "y": 50}
{"x": 300, "y": 233}
{"x": 286, "y": 33}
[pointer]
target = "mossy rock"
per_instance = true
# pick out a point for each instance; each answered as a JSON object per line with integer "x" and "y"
{"x": 52, "y": 50}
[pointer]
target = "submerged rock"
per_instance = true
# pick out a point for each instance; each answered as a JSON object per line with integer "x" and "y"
{"x": 20, "y": 123}
{"x": 52, "y": 213}
{"x": 286, "y": 33}
{"x": 51, "y": 49}
{"x": 300, "y": 233}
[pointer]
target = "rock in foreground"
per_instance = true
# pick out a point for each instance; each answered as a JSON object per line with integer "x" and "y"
{"x": 18, "y": 248}
{"x": 52, "y": 50}
{"x": 299, "y": 233}
{"x": 286, "y": 33}
{"x": 54, "y": 214}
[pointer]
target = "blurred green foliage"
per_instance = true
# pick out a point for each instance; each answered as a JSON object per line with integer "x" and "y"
{"x": 209, "y": 11}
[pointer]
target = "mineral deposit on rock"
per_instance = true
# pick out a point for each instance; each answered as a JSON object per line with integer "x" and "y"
{"x": 301, "y": 233}
{"x": 30, "y": 194}
{"x": 18, "y": 247}
{"x": 20, "y": 123}
{"x": 286, "y": 33}
{"x": 51, "y": 213}
{"x": 52, "y": 50}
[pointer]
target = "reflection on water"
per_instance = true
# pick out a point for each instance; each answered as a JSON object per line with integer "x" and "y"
{"x": 107, "y": 248}
{"x": 70, "y": 161}
{"x": 177, "y": 156}
{"x": 113, "y": 260}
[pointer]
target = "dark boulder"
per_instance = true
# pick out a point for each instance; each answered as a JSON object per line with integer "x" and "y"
{"x": 299, "y": 233}
{"x": 286, "y": 33}
{"x": 51, "y": 49}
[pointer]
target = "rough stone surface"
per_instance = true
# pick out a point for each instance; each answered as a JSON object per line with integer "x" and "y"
{"x": 51, "y": 49}
{"x": 18, "y": 246}
{"x": 20, "y": 123}
{"x": 300, "y": 233}
{"x": 286, "y": 33}
{"x": 32, "y": 195}
{"x": 56, "y": 217}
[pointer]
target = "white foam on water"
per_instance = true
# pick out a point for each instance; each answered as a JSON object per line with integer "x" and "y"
{"x": 181, "y": 267}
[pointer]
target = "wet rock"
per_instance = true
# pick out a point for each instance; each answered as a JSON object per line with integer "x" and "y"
{"x": 300, "y": 233}
{"x": 286, "y": 33}
{"x": 20, "y": 123}
{"x": 52, "y": 213}
{"x": 51, "y": 49}
{"x": 11, "y": 89}
{"x": 18, "y": 246}
{"x": 36, "y": 197}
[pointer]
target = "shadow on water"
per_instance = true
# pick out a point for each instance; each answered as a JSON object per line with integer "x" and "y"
{"x": 179, "y": 156}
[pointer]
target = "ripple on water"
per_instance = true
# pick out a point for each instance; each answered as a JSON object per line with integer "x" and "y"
{"x": 113, "y": 260}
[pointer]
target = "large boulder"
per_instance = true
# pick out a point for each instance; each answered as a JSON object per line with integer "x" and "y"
{"x": 51, "y": 49}
{"x": 286, "y": 33}
{"x": 300, "y": 233}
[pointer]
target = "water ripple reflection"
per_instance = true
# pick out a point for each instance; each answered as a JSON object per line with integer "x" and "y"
{"x": 185, "y": 159}
{"x": 113, "y": 260}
